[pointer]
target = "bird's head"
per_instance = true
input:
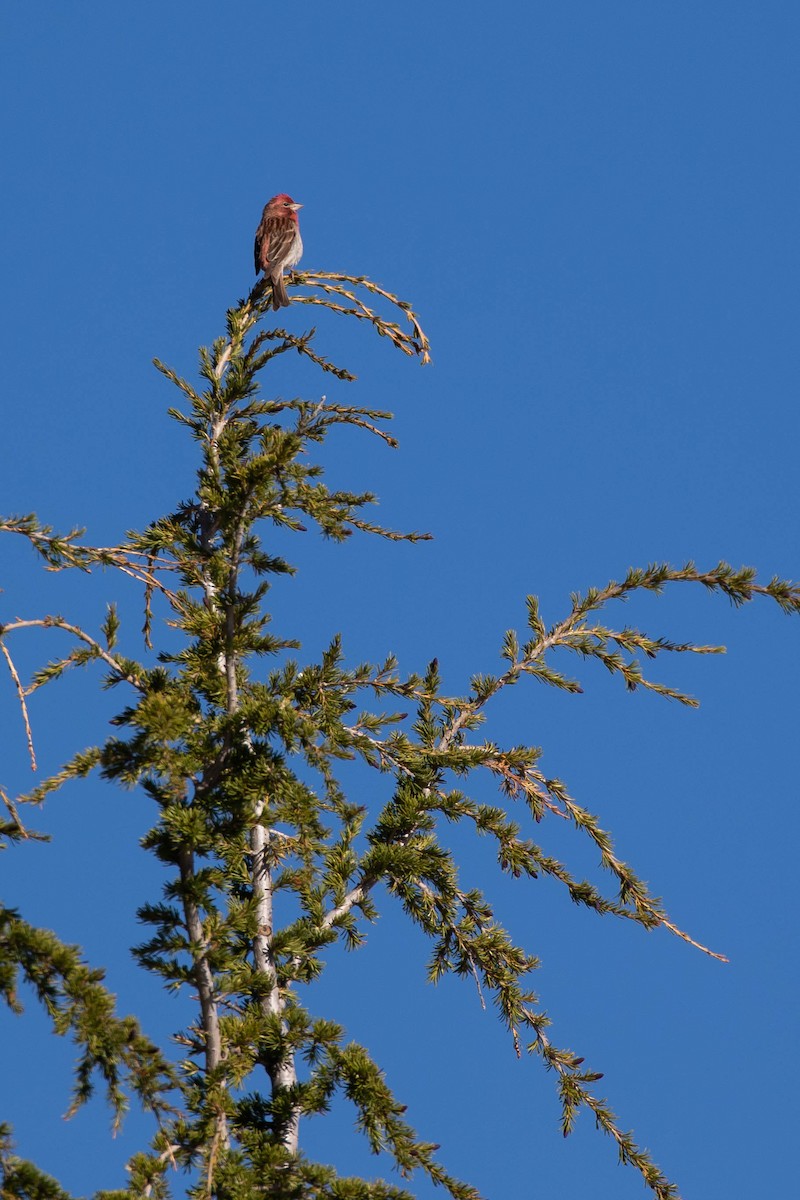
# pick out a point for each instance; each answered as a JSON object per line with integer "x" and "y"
{"x": 283, "y": 206}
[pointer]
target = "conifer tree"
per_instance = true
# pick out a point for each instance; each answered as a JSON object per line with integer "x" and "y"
{"x": 273, "y": 866}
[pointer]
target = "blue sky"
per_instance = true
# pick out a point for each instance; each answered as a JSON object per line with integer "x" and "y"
{"x": 593, "y": 206}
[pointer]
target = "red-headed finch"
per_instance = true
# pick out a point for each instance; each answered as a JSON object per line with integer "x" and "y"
{"x": 278, "y": 244}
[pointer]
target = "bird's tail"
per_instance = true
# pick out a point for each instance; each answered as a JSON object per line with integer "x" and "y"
{"x": 280, "y": 298}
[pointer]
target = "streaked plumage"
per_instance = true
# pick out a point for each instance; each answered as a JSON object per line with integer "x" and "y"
{"x": 278, "y": 244}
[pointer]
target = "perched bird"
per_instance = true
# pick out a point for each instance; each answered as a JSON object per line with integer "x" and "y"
{"x": 278, "y": 244}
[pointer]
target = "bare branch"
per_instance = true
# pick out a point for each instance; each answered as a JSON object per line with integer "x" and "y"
{"x": 15, "y": 817}
{"x": 97, "y": 650}
{"x": 21, "y": 698}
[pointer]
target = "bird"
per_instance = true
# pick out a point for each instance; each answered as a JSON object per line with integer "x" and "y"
{"x": 278, "y": 244}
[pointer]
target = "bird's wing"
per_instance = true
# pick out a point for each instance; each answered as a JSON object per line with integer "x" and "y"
{"x": 274, "y": 239}
{"x": 261, "y": 247}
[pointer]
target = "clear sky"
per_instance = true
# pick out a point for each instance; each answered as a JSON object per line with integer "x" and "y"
{"x": 594, "y": 207}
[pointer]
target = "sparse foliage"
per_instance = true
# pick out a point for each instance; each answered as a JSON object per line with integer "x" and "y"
{"x": 271, "y": 863}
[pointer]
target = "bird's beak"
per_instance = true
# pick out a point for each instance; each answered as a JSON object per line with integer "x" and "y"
{"x": 294, "y": 207}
